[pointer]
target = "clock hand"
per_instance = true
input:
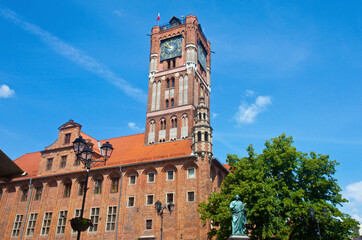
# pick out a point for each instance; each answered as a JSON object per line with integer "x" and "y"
{"x": 167, "y": 45}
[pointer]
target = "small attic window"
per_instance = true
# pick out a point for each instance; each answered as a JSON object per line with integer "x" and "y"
{"x": 67, "y": 138}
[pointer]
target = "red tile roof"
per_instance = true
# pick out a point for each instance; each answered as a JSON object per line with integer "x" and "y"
{"x": 29, "y": 162}
{"x": 226, "y": 165}
{"x": 127, "y": 150}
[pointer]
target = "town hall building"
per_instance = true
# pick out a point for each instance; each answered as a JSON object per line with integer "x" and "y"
{"x": 171, "y": 162}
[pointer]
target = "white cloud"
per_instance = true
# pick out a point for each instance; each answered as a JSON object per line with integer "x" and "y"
{"x": 6, "y": 92}
{"x": 214, "y": 115}
{"x": 354, "y": 207}
{"x": 73, "y": 54}
{"x": 249, "y": 93}
{"x": 248, "y": 112}
{"x": 133, "y": 126}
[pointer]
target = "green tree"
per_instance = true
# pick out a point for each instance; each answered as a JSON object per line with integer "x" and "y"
{"x": 279, "y": 186}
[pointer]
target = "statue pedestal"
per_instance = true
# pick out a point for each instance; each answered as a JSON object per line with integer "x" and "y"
{"x": 234, "y": 237}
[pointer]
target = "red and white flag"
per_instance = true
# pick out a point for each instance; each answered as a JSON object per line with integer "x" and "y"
{"x": 158, "y": 17}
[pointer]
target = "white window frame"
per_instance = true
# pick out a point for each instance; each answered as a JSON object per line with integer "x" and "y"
{"x": 62, "y": 222}
{"x": 148, "y": 177}
{"x": 76, "y": 214}
{"x": 33, "y": 222}
{"x": 134, "y": 201}
{"x": 188, "y": 173}
{"x": 95, "y": 219}
{"x": 153, "y": 199}
{"x": 17, "y": 225}
{"x": 173, "y": 175}
{"x": 110, "y": 216}
{"x": 130, "y": 179}
{"x": 187, "y": 196}
{"x": 46, "y": 224}
{"x": 173, "y": 197}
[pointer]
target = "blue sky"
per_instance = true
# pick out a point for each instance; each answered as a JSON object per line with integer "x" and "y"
{"x": 279, "y": 66}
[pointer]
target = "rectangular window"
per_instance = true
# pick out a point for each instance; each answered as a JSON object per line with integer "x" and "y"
{"x": 191, "y": 173}
{"x": 76, "y": 214}
{"x": 130, "y": 202}
{"x": 132, "y": 179}
{"x": 46, "y": 223}
{"x": 77, "y": 161}
{"x": 111, "y": 218}
{"x": 63, "y": 162}
{"x": 97, "y": 186}
{"x": 17, "y": 225}
{"x": 62, "y": 219}
{"x": 38, "y": 192}
{"x": 94, "y": 216}
{"x": 169, "y": 197}
{"x": 81, "y": 185}
{"x": 149, "y": 199}
{"x": 24, "y": 195}
{"x": 67, "y": 189}
{"x": 67, "y": 138}
{"x": 114, "y": 185}
{"x": 191, "y": 196}
{"x": 31, "y": 224}
{"x": 151, "y": 177}
{"x": 149, "y": 224}
{"x": 49, "y": 164}
{"x": 170, "y": 175}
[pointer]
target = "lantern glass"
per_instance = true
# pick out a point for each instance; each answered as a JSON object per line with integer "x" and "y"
{"x": 171, "y": 206}
{"x": 158, "y": 205}
{"x": 78, "y": 145}
{"x": 87, "y": 154}
{"x": 107, "y": 149}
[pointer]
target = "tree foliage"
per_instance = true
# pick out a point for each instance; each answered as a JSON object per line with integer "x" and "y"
{"x": 279, "y": 186}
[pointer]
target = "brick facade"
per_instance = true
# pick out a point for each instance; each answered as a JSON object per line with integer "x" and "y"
{"x": 123, "y": 192}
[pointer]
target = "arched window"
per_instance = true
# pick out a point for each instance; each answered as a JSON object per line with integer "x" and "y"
{"x": 168, "y": 83}
{"x": 152, "y": 125}
{"x": 199, "y": 136}
{"x": 173, "y": 82}
{"x": 204, "y": 116}
{"x": 167, "y": 103}
{"x": 174, "y": 122}
{"x": 163, "y": 124}
{"x": 184, "y": 127}
{"x": 199, "y": 116}
{"x": 206, "y": 136}
{"x": 172, "y": 102}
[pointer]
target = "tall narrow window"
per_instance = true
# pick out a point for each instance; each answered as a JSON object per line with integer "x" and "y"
{"x": 94, "y": 216}
{"x": 17, "y": 224}
{"x": 81, "y": 185}
{"x": 67, "y": 189}
{"x": 130, "y": 202}
{"x": 170, "y": 175}
{"x": 199, "y": 136}
{"x": 62, "y": 219}
{"x": 174, "y": 62}
{"x": 185, "y": 88}
{"x": 191, "y": 196}
{"x": 63, "y": 161}
{"x": 111, "y": 218}
{"x": 168, "y": 83}
{"x": 153, "y": 105}
{"x": 31, "y": 224}
{"x": 24, "y": 194}
{"x": 67, "y": 138}
{"x": 167, "y": 103}
{"x": 49, "y": 164}
{"x": 38, "y": 192}
{"x": 172, "y": 82}
{"x": 46, "y": 223}
{"x": 114, "y": 185}
{"x": 180, "y": 90}
{"x": 98, "y": 186}
{"x": 158, "y": 99}
{"x": 132, "y": 179}
{"x": 172, "y": 102}
{"x": 206, "y": 136}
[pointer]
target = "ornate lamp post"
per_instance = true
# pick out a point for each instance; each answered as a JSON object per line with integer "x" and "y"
{"x": 85, "y": 155}
{"x": 160, "y": 208}
{"x": 312, "y": 213}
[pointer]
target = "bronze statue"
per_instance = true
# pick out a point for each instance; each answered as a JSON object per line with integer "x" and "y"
{"x": 238, "y": 210}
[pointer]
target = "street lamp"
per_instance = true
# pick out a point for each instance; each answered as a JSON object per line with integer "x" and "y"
{"x": 160, "y": 208}
{"x": 312, "y": 213}
{"x": 85, "y": 155}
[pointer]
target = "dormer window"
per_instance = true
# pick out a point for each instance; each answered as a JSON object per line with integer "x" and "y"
{"x": 67, "y": 138}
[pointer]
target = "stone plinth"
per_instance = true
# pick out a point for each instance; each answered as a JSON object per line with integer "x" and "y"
{"x": 234, "y": 237}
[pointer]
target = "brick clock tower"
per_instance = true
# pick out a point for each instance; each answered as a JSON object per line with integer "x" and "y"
{"x": 179, "y": 86}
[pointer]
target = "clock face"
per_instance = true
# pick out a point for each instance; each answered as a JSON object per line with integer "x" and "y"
{"x": 171, "y": 48}
{"x": 202, "y": 54}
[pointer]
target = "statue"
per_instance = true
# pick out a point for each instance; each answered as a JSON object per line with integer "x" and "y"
{"x": 238, "y": 210}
